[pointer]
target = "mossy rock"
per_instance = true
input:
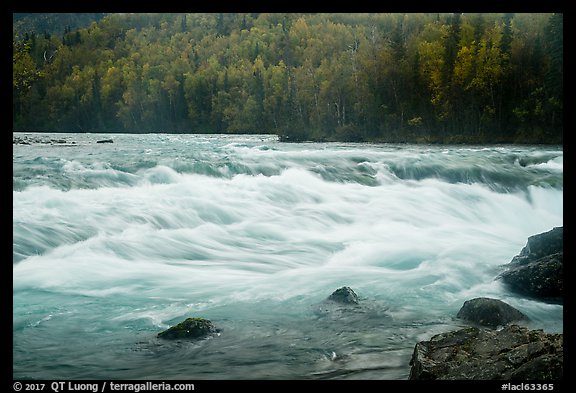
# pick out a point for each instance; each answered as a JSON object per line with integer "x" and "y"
{"x": 190, "y": 328}
{"x": 513, "y": 353}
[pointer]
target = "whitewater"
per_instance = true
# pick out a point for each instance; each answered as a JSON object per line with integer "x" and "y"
{"x": 115, "y": 242}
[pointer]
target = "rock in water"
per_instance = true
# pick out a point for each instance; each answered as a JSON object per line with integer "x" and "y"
{"x": 344, "y": 295}
{"x": 541, "y": 245}
{"x": 189, "y": 329}
{"x": 344, "y": 310}
{"x": 489, "y": 312}
{"x": 513, "y": 353}
{"x": 538, "y": 270}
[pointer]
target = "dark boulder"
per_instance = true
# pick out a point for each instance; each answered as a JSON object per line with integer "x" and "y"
{"x": 105, "y": 141}
{"x": 538, "y": 270}
{"x": 341, "y": 305}
{"x": 541, "y": 245}
{"x": 513, "y": 353}
{"x": 542, "y": 279}
{"x": 189, "y": 329}
{"x": 344, "y": 295}
{"x": 343, "y": 309}
{"x": 489, "y": 312}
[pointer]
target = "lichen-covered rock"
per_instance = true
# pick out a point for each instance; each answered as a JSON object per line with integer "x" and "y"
{"x": 538, "y": 270}
{"x": 489, "y": 312}
{"x": 513, "y": 353}
{"x": 344, "y": 295}
{"x": 189, "y": 329}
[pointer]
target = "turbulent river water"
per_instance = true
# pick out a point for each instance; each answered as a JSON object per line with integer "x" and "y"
{"x": 115, "y": 242}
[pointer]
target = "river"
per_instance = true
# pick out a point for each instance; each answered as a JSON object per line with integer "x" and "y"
{"x": 115, "y": 242}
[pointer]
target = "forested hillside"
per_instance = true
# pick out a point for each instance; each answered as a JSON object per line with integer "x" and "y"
{"x": 50, "y": 23}
{"x": 476, "y": 78}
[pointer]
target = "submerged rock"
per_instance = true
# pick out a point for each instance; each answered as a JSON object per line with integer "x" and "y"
{"x": 489, "y": 312}
{"x": 342, "y": 301}
{"x": 343, "y": 308}
{"x": 189, "y": 329}
{"x": 513, "y": 353}
{"x": 344, "y": 295}
{"x": 538, "y": 270}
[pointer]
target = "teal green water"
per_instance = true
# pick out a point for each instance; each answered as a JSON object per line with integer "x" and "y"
{"x": 112, "y": 243}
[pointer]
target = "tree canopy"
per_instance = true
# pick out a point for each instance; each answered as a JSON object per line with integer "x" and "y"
{"x": 450, "y": 78}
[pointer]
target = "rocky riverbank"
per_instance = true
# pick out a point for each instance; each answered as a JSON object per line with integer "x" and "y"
{"x": 496, "y": 346}
{"x": 48, "y": 140}
{"x": 513, "y": 353}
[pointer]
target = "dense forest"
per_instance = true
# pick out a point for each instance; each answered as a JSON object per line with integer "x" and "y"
{"x": 449, "y": 78}
{"x": 50, "y": 23}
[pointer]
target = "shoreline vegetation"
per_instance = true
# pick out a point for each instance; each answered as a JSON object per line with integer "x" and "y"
{"x": 28, "y": 139}
{"x": 473, "y": 78}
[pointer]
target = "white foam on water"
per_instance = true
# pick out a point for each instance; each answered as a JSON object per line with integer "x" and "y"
{"x": 250, "y": 246}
